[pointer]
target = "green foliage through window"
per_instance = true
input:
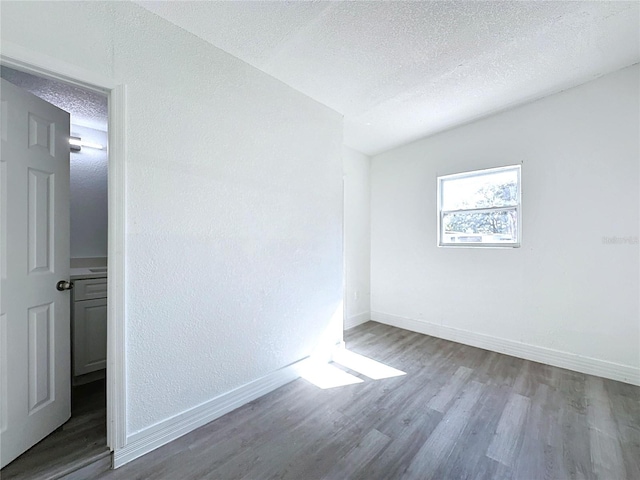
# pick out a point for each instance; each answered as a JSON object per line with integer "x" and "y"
{"x": 480, "y": 208}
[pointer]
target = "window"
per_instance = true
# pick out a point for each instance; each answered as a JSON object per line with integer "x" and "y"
{"x": 480, "y": 209}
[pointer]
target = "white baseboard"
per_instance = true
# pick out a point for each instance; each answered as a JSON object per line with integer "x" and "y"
{"x": 355, "y": 320}
{"x": 149, "y": 439}
{"x": 557, "y": 358}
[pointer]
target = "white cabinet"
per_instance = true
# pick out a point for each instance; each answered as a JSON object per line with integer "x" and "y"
{"x": 89, "y": 325}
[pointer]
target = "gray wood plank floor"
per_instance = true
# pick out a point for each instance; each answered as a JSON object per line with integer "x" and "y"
{"x": 78, "y": 444}
{"x": 458, "y": 413}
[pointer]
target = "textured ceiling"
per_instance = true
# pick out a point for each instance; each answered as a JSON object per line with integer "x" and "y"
{"x": 399, "y": 71}
{"x": 87, "y": 109}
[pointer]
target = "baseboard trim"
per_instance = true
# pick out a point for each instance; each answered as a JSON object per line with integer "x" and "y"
{"x": 557, "y": 358}
{"x": 355, "y": 320}
{"x": 149, "y": 439}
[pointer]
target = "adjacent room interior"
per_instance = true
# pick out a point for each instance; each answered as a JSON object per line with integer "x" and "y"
{"x": 320, "y": 240}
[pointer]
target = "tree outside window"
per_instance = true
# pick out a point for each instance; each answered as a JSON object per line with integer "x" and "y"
{"x": 480, "y": 208}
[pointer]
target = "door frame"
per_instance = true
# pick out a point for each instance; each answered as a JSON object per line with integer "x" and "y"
{"x": 36, "y": 63}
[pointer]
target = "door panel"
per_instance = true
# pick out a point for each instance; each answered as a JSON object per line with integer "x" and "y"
{"x": 42, "y": 134}
{"x": 40, "y": 222}
{"x": 35, "y": 396}
{"x": 41, "y": 361}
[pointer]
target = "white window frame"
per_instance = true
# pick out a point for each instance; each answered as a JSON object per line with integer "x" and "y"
{"x": 473, "y": 173}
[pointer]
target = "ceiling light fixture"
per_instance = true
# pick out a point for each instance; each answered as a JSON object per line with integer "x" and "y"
{"x": 77, "y": 143}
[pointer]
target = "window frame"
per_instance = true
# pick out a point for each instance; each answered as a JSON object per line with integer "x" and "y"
{"x": 440, "y": 179}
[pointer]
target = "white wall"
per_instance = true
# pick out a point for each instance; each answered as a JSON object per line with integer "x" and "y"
{"x": 88, "y": 196}
{"x": 565, "y": 297}
{"x": 357, "y": 236}
{"x": 234, "y": 204}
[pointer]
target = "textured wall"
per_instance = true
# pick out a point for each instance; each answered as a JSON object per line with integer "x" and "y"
{"x": 89, "y": 196}
{"x": 565, "y": 288}
{"x": 234, "y": 204}
{"x": 357, "y": 236}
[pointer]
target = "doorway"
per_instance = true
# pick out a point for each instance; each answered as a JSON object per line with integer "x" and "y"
{"x": 47, "y": 67}
{"x": 82, "y": 440}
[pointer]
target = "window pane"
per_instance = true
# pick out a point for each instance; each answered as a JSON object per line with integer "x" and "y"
{"x": 486, "y": 227}
{"x": 482, "y": 190}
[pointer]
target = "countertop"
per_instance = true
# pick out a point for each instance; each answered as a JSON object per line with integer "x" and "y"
{"x": 88, "y": 272}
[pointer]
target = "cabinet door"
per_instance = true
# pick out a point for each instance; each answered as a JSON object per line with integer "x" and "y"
{"x": 89, "y": 336}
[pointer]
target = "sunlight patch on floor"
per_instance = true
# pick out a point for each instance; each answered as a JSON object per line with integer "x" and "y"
{"x": 324, "y": 375}
{"x": 365, "y": 366}
{"x": 327, "y": 376}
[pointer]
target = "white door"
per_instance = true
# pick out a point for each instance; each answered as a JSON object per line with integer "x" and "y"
{"x": 35, "y": 391}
